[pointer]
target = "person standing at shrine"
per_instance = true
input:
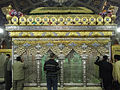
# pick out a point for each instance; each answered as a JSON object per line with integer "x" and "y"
{"x": 8, "y": 72}
{"x": 116, "y": 72}
{"x": 18, "y": 74}
{"x": 51, "y": 67}
{"x": 105, "y": 72}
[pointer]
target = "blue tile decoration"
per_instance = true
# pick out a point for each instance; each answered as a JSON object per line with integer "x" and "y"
{"x": 78, "y": 34}
{"x": 67, "y": 34}
{"x": 38, "y": 46}
{"x": 22, "y": 19}
{"x": 9, "y": 33}
{"x": 90, "y": 34}
{"x": 100, "y": 19}
{"x": 31, "y": 34}
{"x": 84, "y": 46}
{"x": 72, "y": 44}
{"x": 55, "y": 34}
{"x": 84, "y": 19}
{"x": 92, "y": 19}
{"x": 49, "y": 44}
{"x": 107, "y": 19}
{"x": 95, "y": 44}
{"x": 15, "y": 19}
{"x": 61, "y": 46}
{"x": 26, "y": 45}
{"x": 43, "y": 34}
{"x": 20, "y": 34}
{"x": 38, "y": 19}
{"x": 101, "y": 33}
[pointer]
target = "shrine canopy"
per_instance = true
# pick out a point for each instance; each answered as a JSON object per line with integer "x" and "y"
{"x": 59, "y": 10}
{"x": 61, "y": 22}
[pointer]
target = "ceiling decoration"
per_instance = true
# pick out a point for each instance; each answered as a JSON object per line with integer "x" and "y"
{"x": 59, "y": 10}
{"x": 61, "y": 1}
{"x": 27, "y": 5}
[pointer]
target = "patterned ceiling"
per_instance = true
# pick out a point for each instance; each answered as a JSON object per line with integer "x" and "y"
{"x": 27, "y": 5}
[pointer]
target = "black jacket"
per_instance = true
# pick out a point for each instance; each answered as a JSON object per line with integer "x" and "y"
{"x": 51, "y": 67}
{"x": 105, "y": 69}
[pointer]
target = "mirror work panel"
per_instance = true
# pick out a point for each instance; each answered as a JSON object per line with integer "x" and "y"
{"x": 76, "y": 69}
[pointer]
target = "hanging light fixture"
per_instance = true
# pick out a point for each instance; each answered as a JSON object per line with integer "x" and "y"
{"x": 1, "y": 31}
{"x": 60, "y": 1}
{"x": 118, "y": 29}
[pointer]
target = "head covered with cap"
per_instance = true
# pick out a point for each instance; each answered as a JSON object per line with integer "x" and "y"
{"x": 105, "y": 57}
{"x": 8, "y": 55}
{"x": 19, "y": 58}
{"x": 117, "y": 57}
{"x": 52, "y": 55}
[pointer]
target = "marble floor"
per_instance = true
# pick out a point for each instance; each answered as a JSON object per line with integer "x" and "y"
{"x": 65, "y": 88}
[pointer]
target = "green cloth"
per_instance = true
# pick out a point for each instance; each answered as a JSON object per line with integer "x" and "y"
{"x": 18, "y": 70}
{"x": 116, "y": 71}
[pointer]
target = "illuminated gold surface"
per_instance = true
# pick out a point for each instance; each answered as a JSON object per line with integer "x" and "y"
{"x": 61, "y": 10}
{"x": 15, "y": 20}
{"x": 5, "y": 50}
{"x": 62, "y": 34}
{"x": 22, "y": 20}
{"x": 107, "y": 20}
{"x": 62, "y": 20}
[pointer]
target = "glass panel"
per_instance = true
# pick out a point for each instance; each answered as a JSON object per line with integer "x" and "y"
{"x": 92, "y": 70}
{"x": 43, "y": 74}
{"x": 73, "y": 68}
{"x": 31, "y": 71}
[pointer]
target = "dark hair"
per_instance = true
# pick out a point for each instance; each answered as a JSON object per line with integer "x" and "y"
{"x": 117, "y": 57}
{"x": 8, "y": 55}
{"x": 18, "y": 58}
{"x": 52, "y": 55}
{"x": 105, "y": 57}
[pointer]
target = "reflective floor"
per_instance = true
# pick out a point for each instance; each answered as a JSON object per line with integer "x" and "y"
{"x": 65, "y": 88}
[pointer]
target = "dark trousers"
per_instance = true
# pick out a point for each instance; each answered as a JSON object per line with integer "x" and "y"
{"x": 8, "y": 81}
{"x": 52, "y": 82}
{"x": 18, "y": 84}
{"x": 116, "y": 85}
{"x": 107, "y": 84}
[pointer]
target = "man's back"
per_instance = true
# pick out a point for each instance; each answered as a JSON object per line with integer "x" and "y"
{"x": 18, "y": 70}
{"x": 51, "y": 67}
{"x": 116, "y": 71}
{"x": 105, "y": 69}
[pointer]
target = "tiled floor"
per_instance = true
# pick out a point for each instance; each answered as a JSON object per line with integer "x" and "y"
{"x": 65, "y": 88}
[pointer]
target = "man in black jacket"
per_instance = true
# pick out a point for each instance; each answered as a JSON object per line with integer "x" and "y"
{"x": 51, "y": 67}
{"x": 105, "y": 72}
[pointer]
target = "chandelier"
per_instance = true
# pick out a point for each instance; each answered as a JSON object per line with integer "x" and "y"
{"x": 60, "y": 1}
